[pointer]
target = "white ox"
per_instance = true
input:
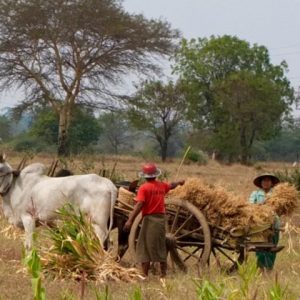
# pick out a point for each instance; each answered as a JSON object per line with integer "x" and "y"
{"x": 33, "y": 197}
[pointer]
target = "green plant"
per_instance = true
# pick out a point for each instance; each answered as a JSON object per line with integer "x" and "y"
{"x": 206, "y": 290}
{"x": 104, "y": 295}
{"x": 277, "y": 292}
{"x": 77, "y": 253}
{"x": 76, "y": 247}
{"x": 197, "y": 156}
{"x": 292, "y": 176}
{"x": 33, "y": 263}
{"x": 136, "y": 294}
{"x": 247, "y": 272}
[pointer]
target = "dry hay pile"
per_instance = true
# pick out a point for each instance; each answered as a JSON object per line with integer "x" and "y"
{"x": 12, "y": 232}
{"x": 284, "y": 199}
{"x": 228, "y": 211}
{"x": 76, "y": 252}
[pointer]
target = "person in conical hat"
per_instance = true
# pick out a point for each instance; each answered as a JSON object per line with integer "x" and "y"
{"x": 150, "y": 200}
{"x": 265, "y": 182}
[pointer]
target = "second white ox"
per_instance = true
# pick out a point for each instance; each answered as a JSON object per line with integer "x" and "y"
{"x": 33, "y": 197}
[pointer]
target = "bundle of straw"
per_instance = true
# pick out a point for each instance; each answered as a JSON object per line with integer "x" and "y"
{"x": 77, "y": 251}
{"x": 221, "y": 207}
{"x": 284, "y": 199}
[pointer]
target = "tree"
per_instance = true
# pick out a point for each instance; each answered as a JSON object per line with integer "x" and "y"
{"x": 84, "y": 128}
{"x": 158, "y": 108}
{"x": 63, "y": 52}
{"x": 233, "y": 91}
{"x": 117, "y": 132}
{"x": 5, "y": 128}
{"x": 249, "y": 107}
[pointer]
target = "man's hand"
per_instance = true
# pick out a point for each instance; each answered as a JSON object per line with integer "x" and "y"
{"x": 127, "y": 226}
{"x": 173, "y": 185}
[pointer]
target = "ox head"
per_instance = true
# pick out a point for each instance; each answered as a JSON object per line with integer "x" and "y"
{"x": 6, "y": 175}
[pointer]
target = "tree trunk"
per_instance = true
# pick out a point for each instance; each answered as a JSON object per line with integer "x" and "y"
{"x": 63, "y": 148}
{"x": 244, "y": 147}
{"x": 164, "y": 150}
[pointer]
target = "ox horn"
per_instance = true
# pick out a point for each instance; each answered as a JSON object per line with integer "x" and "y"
{"x": 22, "y": 163}
{"x": 2, "y": 158}
{"x": 52, "y": 168}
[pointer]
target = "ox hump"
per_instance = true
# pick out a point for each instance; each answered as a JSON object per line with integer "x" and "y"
{"x": 36, "y": 168}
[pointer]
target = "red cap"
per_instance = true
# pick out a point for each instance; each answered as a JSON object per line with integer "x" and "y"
{"x": 150, "y": 170}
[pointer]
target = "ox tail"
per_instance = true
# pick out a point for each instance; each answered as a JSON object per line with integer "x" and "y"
{"x": 113, "y": 200}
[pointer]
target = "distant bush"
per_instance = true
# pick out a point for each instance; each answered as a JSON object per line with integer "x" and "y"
{"x": 197, "y": 156}
{"x": 26, "y": 143}
{"x": 292, "y": 176}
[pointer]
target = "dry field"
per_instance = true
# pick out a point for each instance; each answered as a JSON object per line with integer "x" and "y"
{"x": 16, "y": 284}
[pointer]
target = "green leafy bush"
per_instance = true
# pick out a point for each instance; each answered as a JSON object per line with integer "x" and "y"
{"x": 26, "y": 142}
{"x": 197, "y": 156}
{"x": 290, "y": 176}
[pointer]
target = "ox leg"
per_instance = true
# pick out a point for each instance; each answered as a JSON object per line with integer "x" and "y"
{"x": 100, "y": 233}
{"x": 29, "y": 227}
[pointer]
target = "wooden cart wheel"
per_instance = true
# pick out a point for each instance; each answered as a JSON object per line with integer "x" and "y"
{"x": 187, "y": 234}
{"x": 227, "y": 259}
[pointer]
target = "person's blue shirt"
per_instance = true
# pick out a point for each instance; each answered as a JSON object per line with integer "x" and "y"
{"x": 259, "y": 196}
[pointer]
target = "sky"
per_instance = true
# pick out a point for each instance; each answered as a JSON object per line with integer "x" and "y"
{"x": 272, "y": 23}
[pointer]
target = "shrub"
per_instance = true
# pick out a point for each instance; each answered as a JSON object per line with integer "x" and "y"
{"x": 292, "y": 177}
{"x": 197, "y": 156}
{"x": 29, "y": 143}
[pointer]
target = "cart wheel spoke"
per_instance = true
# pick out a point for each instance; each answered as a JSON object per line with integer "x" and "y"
{"x": 183, "y": 224}
{"x": 175, "y": 219}
{"x": 188, "y": 243}
{"x": 192, "y": 253}
{"x": 189, "y": 233}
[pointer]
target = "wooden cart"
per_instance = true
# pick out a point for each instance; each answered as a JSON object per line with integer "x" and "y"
{"x": 193, "y": 241}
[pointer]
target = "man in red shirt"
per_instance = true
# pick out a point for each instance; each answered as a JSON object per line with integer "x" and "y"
{"x": 150, "y": 200}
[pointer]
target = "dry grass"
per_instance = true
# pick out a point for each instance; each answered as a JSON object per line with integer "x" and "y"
{"x": 235, "y": 178}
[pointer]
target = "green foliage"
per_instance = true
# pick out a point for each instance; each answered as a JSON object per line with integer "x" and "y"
{"x": 197, "y": 156}
{"x": 103, "y": 295}
{"x": 206, "y": 290}
{"x": 84, "y": 129}
{"x": 277, "y": 292}
{"x": 286, "y": 146}
{"x": 117, "y": 133}
{"x": 5, "y": 128}
{"x": 136, "y": 294}
{"x": 248, "y": 273}
{"x": 33, "y": 263}
{"x": 76, "y": 248}
{"x": 290, "y": 176}
{"x": 159, "y": 109}
{"x": 29, "y": 143}
{"x": 233, "y": 91}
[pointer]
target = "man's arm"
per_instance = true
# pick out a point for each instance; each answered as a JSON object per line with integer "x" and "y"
{"x": 136, "y": 210}
{"x": 173, "y": 185}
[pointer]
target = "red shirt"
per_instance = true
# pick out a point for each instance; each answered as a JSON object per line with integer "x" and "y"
{"x": 152, "y": 194}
